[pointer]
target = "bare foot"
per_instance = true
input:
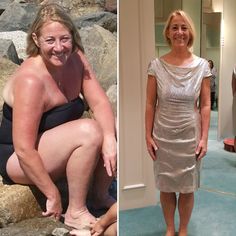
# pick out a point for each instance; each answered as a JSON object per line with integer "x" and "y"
{"x": 80, "y": 219}
{"x": 183, "y": 233}
{"x": 80, "y": 232}
{"x": 103, "y": 203}
{"x": 170, "y": 233}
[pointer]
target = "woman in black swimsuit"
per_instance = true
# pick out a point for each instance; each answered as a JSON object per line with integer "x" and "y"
{"x": 41, "y": 135}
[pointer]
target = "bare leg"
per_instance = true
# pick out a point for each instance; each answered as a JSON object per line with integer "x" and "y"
{"x": 100, "y": 198}
{"x": 185, "y": 206}
{"x": 71, "y": 148}
{"x": 168, "y": 203}
{"x": 80, "y": 167}
{"x": 111, "y": 230}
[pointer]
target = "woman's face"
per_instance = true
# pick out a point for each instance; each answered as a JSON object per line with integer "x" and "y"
{"x": 55, "y": 43}
{"x": 178, "y": 32}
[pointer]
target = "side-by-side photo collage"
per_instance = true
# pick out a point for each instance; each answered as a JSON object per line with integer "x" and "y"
{"x": 117, "y": 118}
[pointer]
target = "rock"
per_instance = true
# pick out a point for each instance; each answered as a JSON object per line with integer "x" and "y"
{"x": 16, "y": 204}
{"x": 38, "y": 226}
{"x": 106, "y": 20}
{"x": 60, "y": 232}
{"x": 10, "y": 21}
{"x": 100, "y": 48}
{"x": 112, "y": 95}
{"x": 8, "y": 50}
{"x": 19, "y": 40}
{"x": 80, "y": 7}
{"x": 4, "y": 4}
{"x": 111, "y": 5}
{"x": 7, "y": 68}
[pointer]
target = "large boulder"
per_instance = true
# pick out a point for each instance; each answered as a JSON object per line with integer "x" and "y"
{"x": 80, "y": 7}
{"x": 17, "y": 203}
{"x": 8, "y": 50}
{"x": 112, "y": 95}
{"x": 106, "y": 20}
{"x": 4, "y": 4}
{"x": 38, "y": 226}
{"x": 100, "y": 48}
{"x": 19, "y": 40}
{"x": 18, "y": 16}
{"x": 7, "y": 68}
{"x": 111, "y": 5}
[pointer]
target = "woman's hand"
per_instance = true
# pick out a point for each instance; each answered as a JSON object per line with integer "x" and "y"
{"x": 109, "y": 152}
{"x": 152, "y": 147}
{"x": 201, "y": 149}
{"x": 97, "y": 228}
{"x": 53, "y": 207}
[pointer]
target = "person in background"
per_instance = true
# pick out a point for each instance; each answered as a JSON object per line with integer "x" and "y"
{"x": 177, "y": 120}
{"x": 106, "y": 225}
{"x": 233, "y": 84}
{"x": 42, "y": 135}
{"x": 213, "y": 83}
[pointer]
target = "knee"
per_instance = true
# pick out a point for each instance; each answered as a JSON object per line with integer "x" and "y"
{"x": 91, "y": 133}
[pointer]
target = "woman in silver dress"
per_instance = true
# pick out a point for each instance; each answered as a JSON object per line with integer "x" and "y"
{"x": 177, "y": 120}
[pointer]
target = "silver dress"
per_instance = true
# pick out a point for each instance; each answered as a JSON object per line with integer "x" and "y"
{"x": 177, "y": 124}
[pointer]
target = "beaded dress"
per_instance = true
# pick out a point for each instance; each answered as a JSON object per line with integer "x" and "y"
{"x": 177, "y": 124}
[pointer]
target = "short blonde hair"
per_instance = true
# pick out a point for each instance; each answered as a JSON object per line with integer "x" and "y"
{"x": 52, "y": 12}
{"x": 188, "y": 21}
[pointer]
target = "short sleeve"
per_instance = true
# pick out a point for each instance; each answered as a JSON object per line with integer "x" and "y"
{"x": 207, "y": 70}
{"x": 234, "y": 73}
{"x": 151, "y": 69}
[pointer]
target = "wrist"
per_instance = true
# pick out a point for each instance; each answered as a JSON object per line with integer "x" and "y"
{"x": 204, "y": 139}
{"x": 53, "y": 193}
{"x": 148, "y": 137}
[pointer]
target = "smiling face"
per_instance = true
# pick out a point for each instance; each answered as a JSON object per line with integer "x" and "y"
{"x": 55, "y": 43}
{"x": 179, "y": 29}
{"x": 178, "y": 32}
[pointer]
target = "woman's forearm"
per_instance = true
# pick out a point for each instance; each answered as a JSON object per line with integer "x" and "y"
{"x": 34, "y": 169}
{"x": 110, "y": 217}
{"x": 149, "y": 119}
{"x": 205, "y": 121}
{"x": 104, "y": 115}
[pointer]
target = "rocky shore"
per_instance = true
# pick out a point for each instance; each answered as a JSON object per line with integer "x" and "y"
{"x": 20, "y": 206}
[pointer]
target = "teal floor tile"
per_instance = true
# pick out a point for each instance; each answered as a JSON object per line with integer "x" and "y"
{"x": 214, "y": 213}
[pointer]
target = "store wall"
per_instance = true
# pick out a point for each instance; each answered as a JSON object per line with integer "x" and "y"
{"x": 136, "y": 49}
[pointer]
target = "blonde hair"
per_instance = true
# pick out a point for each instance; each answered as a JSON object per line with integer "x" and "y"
{"x": 52, "y": 12}
{"x": 188, "y": 21}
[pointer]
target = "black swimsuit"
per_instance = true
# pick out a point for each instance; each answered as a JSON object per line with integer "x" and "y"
{"x": 59, "y": 115}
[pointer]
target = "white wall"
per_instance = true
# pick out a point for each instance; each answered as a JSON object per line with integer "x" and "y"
{"x": 137, "y": 48}
{"x": 193, "y": 8}
{"x": 228, "y": 61}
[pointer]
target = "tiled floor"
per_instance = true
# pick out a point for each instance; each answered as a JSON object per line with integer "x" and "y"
{"x": 214, "y": 213}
